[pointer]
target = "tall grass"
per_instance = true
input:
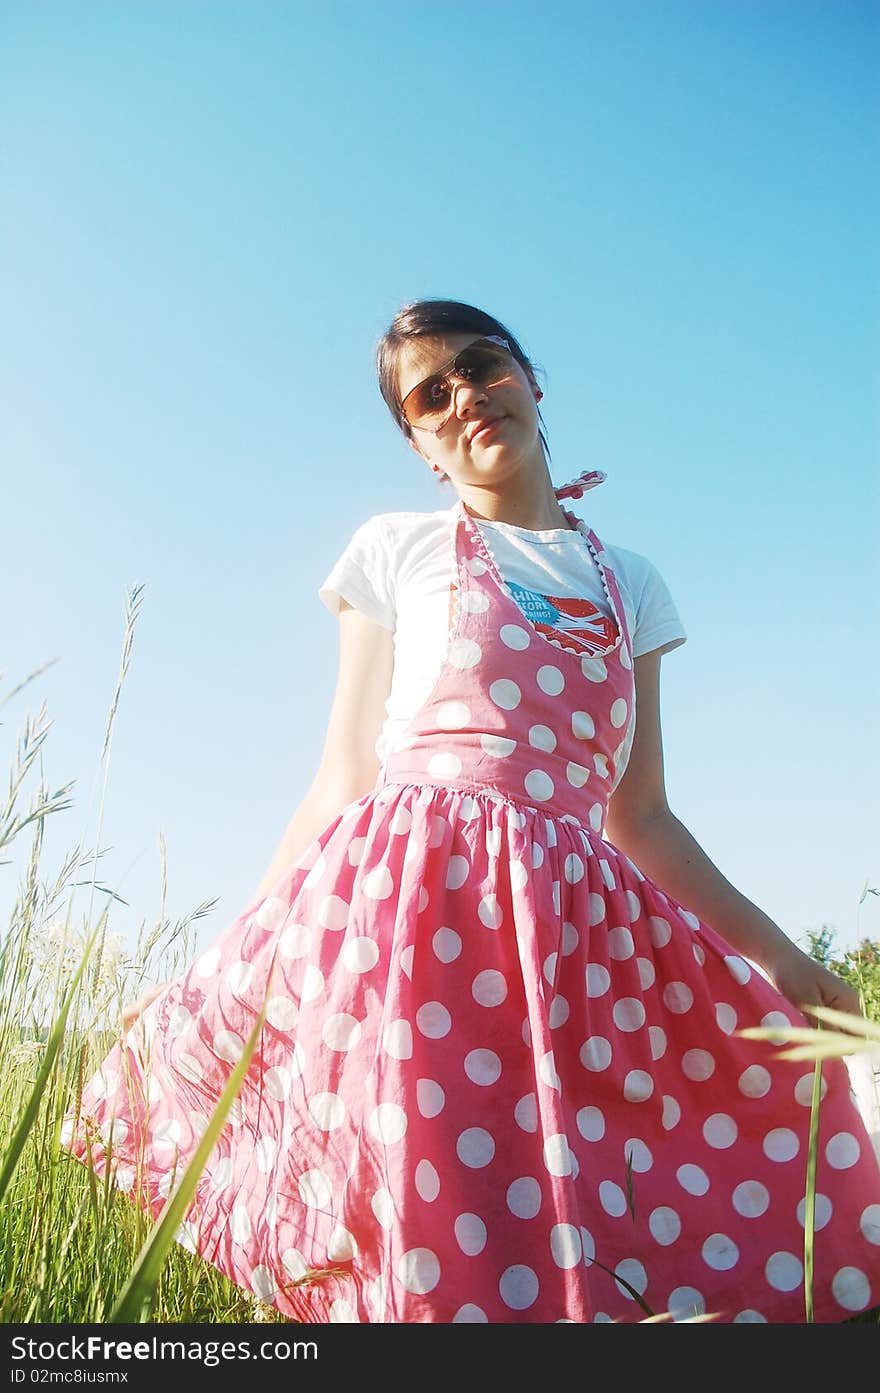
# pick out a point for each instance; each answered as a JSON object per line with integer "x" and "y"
{"x": 73, "y": 1249}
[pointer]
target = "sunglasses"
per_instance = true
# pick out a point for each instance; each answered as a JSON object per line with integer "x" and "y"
{"x": 429, "y": 405}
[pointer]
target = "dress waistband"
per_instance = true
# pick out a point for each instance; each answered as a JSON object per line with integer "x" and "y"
{"x": 592, "y": 822}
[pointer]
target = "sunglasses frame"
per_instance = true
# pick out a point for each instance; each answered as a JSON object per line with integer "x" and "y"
{"x": 443, "y": 373}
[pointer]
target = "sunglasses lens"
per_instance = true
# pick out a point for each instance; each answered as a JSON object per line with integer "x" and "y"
{"x": 480, "y": 364}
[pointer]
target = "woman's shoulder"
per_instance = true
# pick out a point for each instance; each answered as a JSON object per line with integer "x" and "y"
{"x": 403, "y": 527}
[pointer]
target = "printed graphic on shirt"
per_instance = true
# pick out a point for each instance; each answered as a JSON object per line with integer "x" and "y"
{"x": 577, "y": 625}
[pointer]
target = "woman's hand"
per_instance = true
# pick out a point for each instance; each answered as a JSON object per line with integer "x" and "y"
{"x": 807, "y": 983}
{"x": 131, "y": 1012}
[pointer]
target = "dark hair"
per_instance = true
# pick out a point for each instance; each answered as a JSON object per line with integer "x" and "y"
{"x": 429, "y": 318}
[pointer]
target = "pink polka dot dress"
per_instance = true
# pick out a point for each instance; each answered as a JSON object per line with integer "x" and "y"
{"x": 500, "y": 1077}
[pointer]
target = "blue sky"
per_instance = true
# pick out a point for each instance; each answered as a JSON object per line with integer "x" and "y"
{"x": 210, "y": 212}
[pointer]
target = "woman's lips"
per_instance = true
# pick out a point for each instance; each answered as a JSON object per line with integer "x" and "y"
{"x": 482, "y": 431}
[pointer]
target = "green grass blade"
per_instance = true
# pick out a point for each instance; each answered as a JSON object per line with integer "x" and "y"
{"x": 135, "y": 1299}
{"x": 810, "y": 1205}
{"x": 53, "y": 1045}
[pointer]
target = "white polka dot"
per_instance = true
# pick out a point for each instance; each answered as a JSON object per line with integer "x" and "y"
{"x": 327, "y": 1111}
{"x": 693, "y": 1179}
{"x": 433, "y": 1020}
{"x": 774, "y": 1020}
{"x": 558, "y": 1155}
{"x": 573, "y": 869}
{"x": 665, "y": 1225}
{"x": 755, "y": 1081}
{"x": 180, "y": 1019}
{"x": 869, "y": 1223}
{"x": 620, "y": 944}
{"x": 576, "y": 774}
{"x": 222, "y": 1174}
{"x": 738, "y": 969}
{"x": 657, "y": 1037}
{"x": 295, "y": 941}
{"x": 559, "y": 1012}
{"x": 482, "y": 1067}
{"x": 634, "y": 1274}
{"x": 619, "y": 712}
{"x": 538, "y": 785}
{"x": 526, "y": 1113}
{"x": 469, "y": 1314}
{"x": 489, "y": 988}
{"x": 684, "y": 1303}
{"x": 612, "y": 1199}
{"x": 476, "y": 565}
{"x": 490, "y": 912}
{"x": 359, "y": 955}
{"x": 842, "y": 1151}
{"x": 314, "y": 1189}
{"x": 646, "y": 972}
{"x": 726, "y": 1017}
{"x": 542, "y": 738}
{"x": 397, "y": 1039}
{"x": 537, "y": 855}
{"x": 457, "y": 869}
{"x": 524, "y": 1197}
{"x": 277, "y": 1082}
{"x": 637, "y": 1086}
{"x": 418, "y": 1271}
{"x": 637, "y": 1156}
{"x": 265, "y": 1152}
{"x": 596, "y": 815}
{"x": 851, "y": 1289}
{"x": 475, "y": 1147}
{"x": 822, "y": 1211}
{"x": 784, "y": 1271}
{"x": 697, "y": 1065}
{"x": 547, "y": 1072}
{"x": 497, "y": 746}
{"x": 270, "y": 916}
{"x": 453, "y": 715}
{"x": 595, "y": 1053}
{"x": 512, "y": 636}
{"x": 443, "y": 766}
{"x": 720, "y": 1131}
{"x": 628, "y": 1013}
{"x": 401, "y": 822}
{"x": 282, "y": 1013}
{"x": 519, "y": 876}
{"x": 341, "y": 1032}
{"x": 518, "y": 1287}
{"x": 342, "y": 1312}
{"x": 190, "y": 1068}
{"x": 597, "y": 909}
{"x": 594, "y": 669}
{"x": 228, "y": 1046}
{"x": 781, "y": 1144}
{"x": 600, "y": 764}
{"x": 388, "y": 1123}
{"x": 678, "y": 997}
{"x": 749, "y": 1317}
{"x": 294, "y": 1263}
{"x": 430, "y": 1097}
{"x": 671, "y": 1113}
{"x": 720, "y": 1252}
{"x": 209, "y": 962}
{"x": 591, "y": 1123}
{"x": 240, "y": 1224}
{"x": 427, "y": 1181}
{"x": 473, "y": 602}
{"x": 446, "y": 944}
{"x": 505, "y": 693}
{"x": 565, "y": 1245}
{"x": 660, "y": 930}
{"x": 803, "y": 1090}
{"x": 550, "y": 680}
{"x": 751, "y": 1199}
{"x": 464, "y": 653}
{"x": 470, "y": 1234}
{"x": 333, "y": 911}
{"x": 598, "y": 979}
{"x": 582, "y": 724}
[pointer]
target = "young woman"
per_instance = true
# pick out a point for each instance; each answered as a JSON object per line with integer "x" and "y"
{"x": 501, "y": 1077}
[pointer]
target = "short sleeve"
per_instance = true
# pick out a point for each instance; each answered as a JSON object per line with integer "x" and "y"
{"x": 362, "y": 576}
{"x": 658, "y": 624}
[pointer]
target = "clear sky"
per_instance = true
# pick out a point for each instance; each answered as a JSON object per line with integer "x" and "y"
{"x": 209, "y": 212}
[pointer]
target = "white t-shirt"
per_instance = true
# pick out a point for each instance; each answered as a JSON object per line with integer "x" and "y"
{"x": 398, "y": 570}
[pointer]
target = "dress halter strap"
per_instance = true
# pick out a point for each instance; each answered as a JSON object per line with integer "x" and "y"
{"x": 578, "y": 487}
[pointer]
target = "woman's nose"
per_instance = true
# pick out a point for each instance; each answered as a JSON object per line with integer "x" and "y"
{"x": 466, "y": 397}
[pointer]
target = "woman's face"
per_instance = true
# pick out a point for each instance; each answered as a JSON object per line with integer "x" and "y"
{"x": 492, "y": 431}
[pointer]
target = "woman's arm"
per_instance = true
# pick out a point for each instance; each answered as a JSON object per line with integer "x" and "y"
{"x": 641, "y": 823}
